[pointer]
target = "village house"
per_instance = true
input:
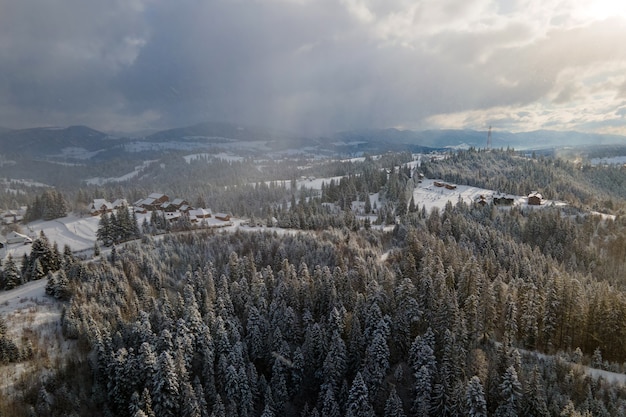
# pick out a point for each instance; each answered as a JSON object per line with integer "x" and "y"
{"x": 481, "y": 200}
{"x": 175, "y": 205}
{"x": 14, "y": 216}
{"x": 222, "y": 216}
{"x": 534, "y": 198}
{"x": 504, "y": 200}
{"x": 99, "y": 206}
{"x": 172, "y": 216}
{"x": 199, "y": 214}
{"x": 153, "y": 202}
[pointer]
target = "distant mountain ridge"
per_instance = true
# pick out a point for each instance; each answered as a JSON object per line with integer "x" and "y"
{"x": 47, "y": 142}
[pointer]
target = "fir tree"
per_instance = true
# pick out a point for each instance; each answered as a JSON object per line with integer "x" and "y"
{"x": 10, "y": 274}
{"x": 166, "y": 391}
{"x": 359, "y": 404}
{"x": 475, "y": 398}
{"x": 511, "y": 394}
{"x": 393, "y": 407}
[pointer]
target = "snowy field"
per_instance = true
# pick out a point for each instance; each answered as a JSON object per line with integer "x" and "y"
{"x": 222, "y": 155}
{"x": 428, "y": 195}
{"x": 616, "y": 160}
{"x": 125, "y": 177}
{"x": 32, "y": 315}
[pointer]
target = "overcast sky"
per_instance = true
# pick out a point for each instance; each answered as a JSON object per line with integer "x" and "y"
{"x": 315, "y": 65}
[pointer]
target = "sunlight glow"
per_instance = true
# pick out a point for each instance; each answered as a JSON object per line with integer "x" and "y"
{"x": 603, "y": 9}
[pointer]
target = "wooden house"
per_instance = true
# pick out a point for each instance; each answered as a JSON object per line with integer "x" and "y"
{"x": 534, "y": 198}
{"x": 199, "y": 214}
{"x": 100, "y": 206}
{"x": 503, "y": 200}
{"x": 222, "y": 216}
{"x": 153, "y": 202}
{"x": 481, "y": 200}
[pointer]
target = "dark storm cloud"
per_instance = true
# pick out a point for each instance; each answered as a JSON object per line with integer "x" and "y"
{"x": 297, "y": 64}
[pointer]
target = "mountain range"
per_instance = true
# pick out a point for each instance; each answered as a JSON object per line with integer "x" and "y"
{"x": 80, "y": 143}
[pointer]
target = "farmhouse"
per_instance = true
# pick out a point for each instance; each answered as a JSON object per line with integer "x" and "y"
{"x": 504, "y": 200}
{"x": 222, "y": 216}
{"x": 175, "y": 205}
{"x": 173, "y": 215}
{"x": 14, "y": 237}
{"x": 534, "y": 198}
{"x": 13, "y": 216}
{"x": 153, "y": 202}
{"x": 481, "y": 200}
{"x": 201, "y": 213}
{"x": 99, "y": 206}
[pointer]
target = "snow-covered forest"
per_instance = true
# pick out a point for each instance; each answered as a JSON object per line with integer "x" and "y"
{"x": 459, "y": 309}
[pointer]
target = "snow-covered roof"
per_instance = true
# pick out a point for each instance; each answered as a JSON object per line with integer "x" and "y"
{"x": 120, "y": 202}
{"x": 173, "y": 215}
{"x": 100, "y": 203}
{"x": 178, "y": 201}
{"x": 200, "y": 213}
{"x": 15, "y": 234}
{"x": 156, "y": 196}
{"x": 147, "y": 201}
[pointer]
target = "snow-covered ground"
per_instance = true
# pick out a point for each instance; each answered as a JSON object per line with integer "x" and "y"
{"x": 615, "y": 160}
{"x": 222, "y": 155}
{"x": 431, "y": 196}
{"x": 428, "y": 195}
{"x": 32, "y": 315}
{"x": 125, "y": 177}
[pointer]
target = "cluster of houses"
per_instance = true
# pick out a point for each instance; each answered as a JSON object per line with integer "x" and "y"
{"x": 13, "y": 216}
{"x": 534, "y": 199}
{"x": 172, "y": 209}
{"x": 444, "y": 185}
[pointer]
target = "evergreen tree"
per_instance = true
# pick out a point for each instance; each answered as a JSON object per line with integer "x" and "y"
{"x": 511, "y": 394}
{"x": 166, "y": 391}
{"x": 329, "y": 407}
{"x": 359, "y": 404}
{"x": 534, "y": 397}
{"x": 475, "y": 398}
{"x": 376, "y": 362}
{"x": 10, "y": 274}
{"x": 393, "y": 407}
{"x": 218, "y": 408}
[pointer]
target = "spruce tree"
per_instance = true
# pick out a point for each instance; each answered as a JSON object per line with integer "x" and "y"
{"x": 359, "y": 404}
{"x": 11, "y": 274}
{"x": 475, "y": 398}
{"x": 393, "y": 407}
{"x": 166, "y": 387}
